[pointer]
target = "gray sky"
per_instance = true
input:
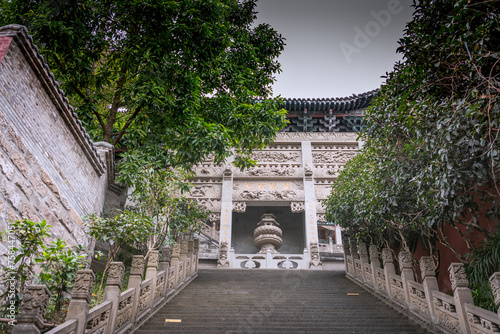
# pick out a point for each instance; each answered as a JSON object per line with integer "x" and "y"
{"x": 335, "y": 48}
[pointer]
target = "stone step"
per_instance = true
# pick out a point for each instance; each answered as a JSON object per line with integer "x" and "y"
{"x": 276, "y": 301}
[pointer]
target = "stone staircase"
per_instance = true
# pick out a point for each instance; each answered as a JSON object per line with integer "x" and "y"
{"x": 276, "y": 301}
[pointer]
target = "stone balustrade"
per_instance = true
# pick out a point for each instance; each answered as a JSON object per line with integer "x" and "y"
{"x": 120, "y": 312}
{"x": 437, "y": 311}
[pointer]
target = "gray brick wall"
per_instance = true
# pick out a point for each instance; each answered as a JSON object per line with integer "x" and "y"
{"x": 46, "y": 170}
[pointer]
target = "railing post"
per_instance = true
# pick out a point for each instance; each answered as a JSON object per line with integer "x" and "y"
{"x": 405, "y": 266}
{"x": 375, "y": 264}
{"x": 389, "y": 268}
{"x": 31, "y": 316}
{"x": 135, "y": 280}
{"x": 363, "y": 257}
{"x": 495, "y": 288}
{"x": 166, "y": 254}
{"x": 112, "y": 291}
{"x": 174, "y": 262}
{"x": 189, "y": 271}
{"x": 354, "y": 250}
{"x": 152, "y": 272}
{"x": 347, "y": 252}
{"x": 78, "y": 307}
{"x": 182, "y": 258}
{"x": 196, "y": 248}
{"x": 461, "y": 293}
{"x": 430, "y": 283}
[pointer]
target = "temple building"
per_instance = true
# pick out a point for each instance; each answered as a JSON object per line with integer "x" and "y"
{"x": 271, "y": 215}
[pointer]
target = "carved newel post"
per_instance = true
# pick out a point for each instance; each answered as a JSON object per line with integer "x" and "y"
{"x": 166, "y": 254}
{"x": 315, "y": 257}
{"x": 190, "y": 252}
{"x": 182, "y": 258}
{"x": 363, "y": 257}
{"x": 113, "y": 290}
{"x": 495, "y": 288}
{"x": 78, "y": 307}
{"x": 354, "y": 250}
{"x": 375, "y": 264}
{"x": 135, "y": 280}
{"x": 223, "y": 253}
{"x": 405, "y": 266}
{"x": 31, "y": 316}
{"x": 174, "y": 262}
{"x": 389, "y": 268}
{"x": 152, "y": 272}
{"x": 347, "y": 253}
{"x": 429, "y": 282}
{"x": 196, "y": 250}
{"x": 461, "y": 293}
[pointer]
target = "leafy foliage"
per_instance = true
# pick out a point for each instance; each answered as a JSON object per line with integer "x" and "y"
{"x": 180, "y": 74}
{"x": 431, "y": 154}
{"x": 58, "y": 263}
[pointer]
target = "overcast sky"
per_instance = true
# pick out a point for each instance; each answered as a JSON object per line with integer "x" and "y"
{"x": 335, "y": 48}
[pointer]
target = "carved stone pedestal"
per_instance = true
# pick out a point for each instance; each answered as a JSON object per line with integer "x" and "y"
{"x": 267, "y": 236}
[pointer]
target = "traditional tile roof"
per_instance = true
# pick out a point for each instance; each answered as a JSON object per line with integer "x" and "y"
{"x": 25, "y": 42}
{"x": 324, "y": 105}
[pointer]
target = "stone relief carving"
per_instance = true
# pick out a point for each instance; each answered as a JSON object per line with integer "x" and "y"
{"x": 223, "y": 252}
{"x": 289, "y": 170}
{"x": 405, "y": 260}
{"x": 176, "y": 251}
{"x": 327, "y": 170}
{"x": 333, "y": 156}
{"x": 374, "y": 253}
{"x": 322, "y": 192}
{"x": 83, "y": 285}
{"x": 211, "y": 190}
{"x": 115, "y": 274}
{"x": 387, "y": 256}
{"x": 153, "y": 259}
{"x": 458, "y": 277}
{"x": 211, "y": 204}
{"x": 214, "y": 218}
{"x": 269, "y": 156}
{"x": 137, "y": 265}
{"x": 239, "y": 207}
{"x": 427, "y": 267}
{"x": 315, "y": 136}
{"x": 166, "y": 254}
{"x": 308, "y": 172}
{"x": 284, "y": 147}
{"x": 315, "y": 259}
{"x": 35, "y": 302}
{"x": 268, "y": 195}
{"x": 334, "y": 147}
{"x": 362, "y": 250}
{"x": 320, "y": 207}
{"x": 297, "y": 207}
{"x": 184, "y": 247}
{"x": 321, "y": 218}
{"x": 495, "y": 286}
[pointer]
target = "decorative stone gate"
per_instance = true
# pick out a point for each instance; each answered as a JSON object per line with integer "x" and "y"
{"x": 291, "y": 179}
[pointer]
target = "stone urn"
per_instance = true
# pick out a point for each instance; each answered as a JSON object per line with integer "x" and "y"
{"x": 267, "y": 235}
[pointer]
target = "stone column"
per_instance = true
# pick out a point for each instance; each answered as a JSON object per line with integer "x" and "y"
{"x": 363, "y": 257}
{"x": 311, "y": 224}
{"x": 338, "y": 234}
{"x": 196, "y": 252}
{"x": 461, "y": 293}
{"x": 113, "y": 290}
{"x": 375, "y": 264}
{"x": 226, "y": 211}
{"x": 152, "y": 272}
{"x": 174, "y": 262}
{"x": 429, "y": 282}
{"x": 495, "y": 288}
{"x": 405, "y": 266}
{"x": 31, "y": 316}
{"x": 78, "y": 307}
{"x": 182, "y": 258}
{"x": 135, "y": 280}
{"x": 189, "y": 271}
{"x": 347, "y": 252}
{"x": 389, "y": 268}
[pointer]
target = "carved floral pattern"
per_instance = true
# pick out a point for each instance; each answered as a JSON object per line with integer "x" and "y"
{"x": 239, "y": 207}
{"x": 137, "y": 265}
{"x": 458, "y": 277}
{"x": 297, "y": 207}
{"x": 333, "y": 156}
{"x": 115, "y": 274}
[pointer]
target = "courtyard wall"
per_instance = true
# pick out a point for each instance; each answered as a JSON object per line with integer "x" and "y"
{"x": 49, "y": 168}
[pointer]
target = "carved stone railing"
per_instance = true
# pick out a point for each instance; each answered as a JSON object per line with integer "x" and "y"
{"x": 269, "y": 260}
{"x": 435, "y": 310}
{"x": 120, "y": 312}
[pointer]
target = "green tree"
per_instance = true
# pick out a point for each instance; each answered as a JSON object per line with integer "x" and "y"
{"x": 177, "y": 78}
{"x": 431, "y": 157}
